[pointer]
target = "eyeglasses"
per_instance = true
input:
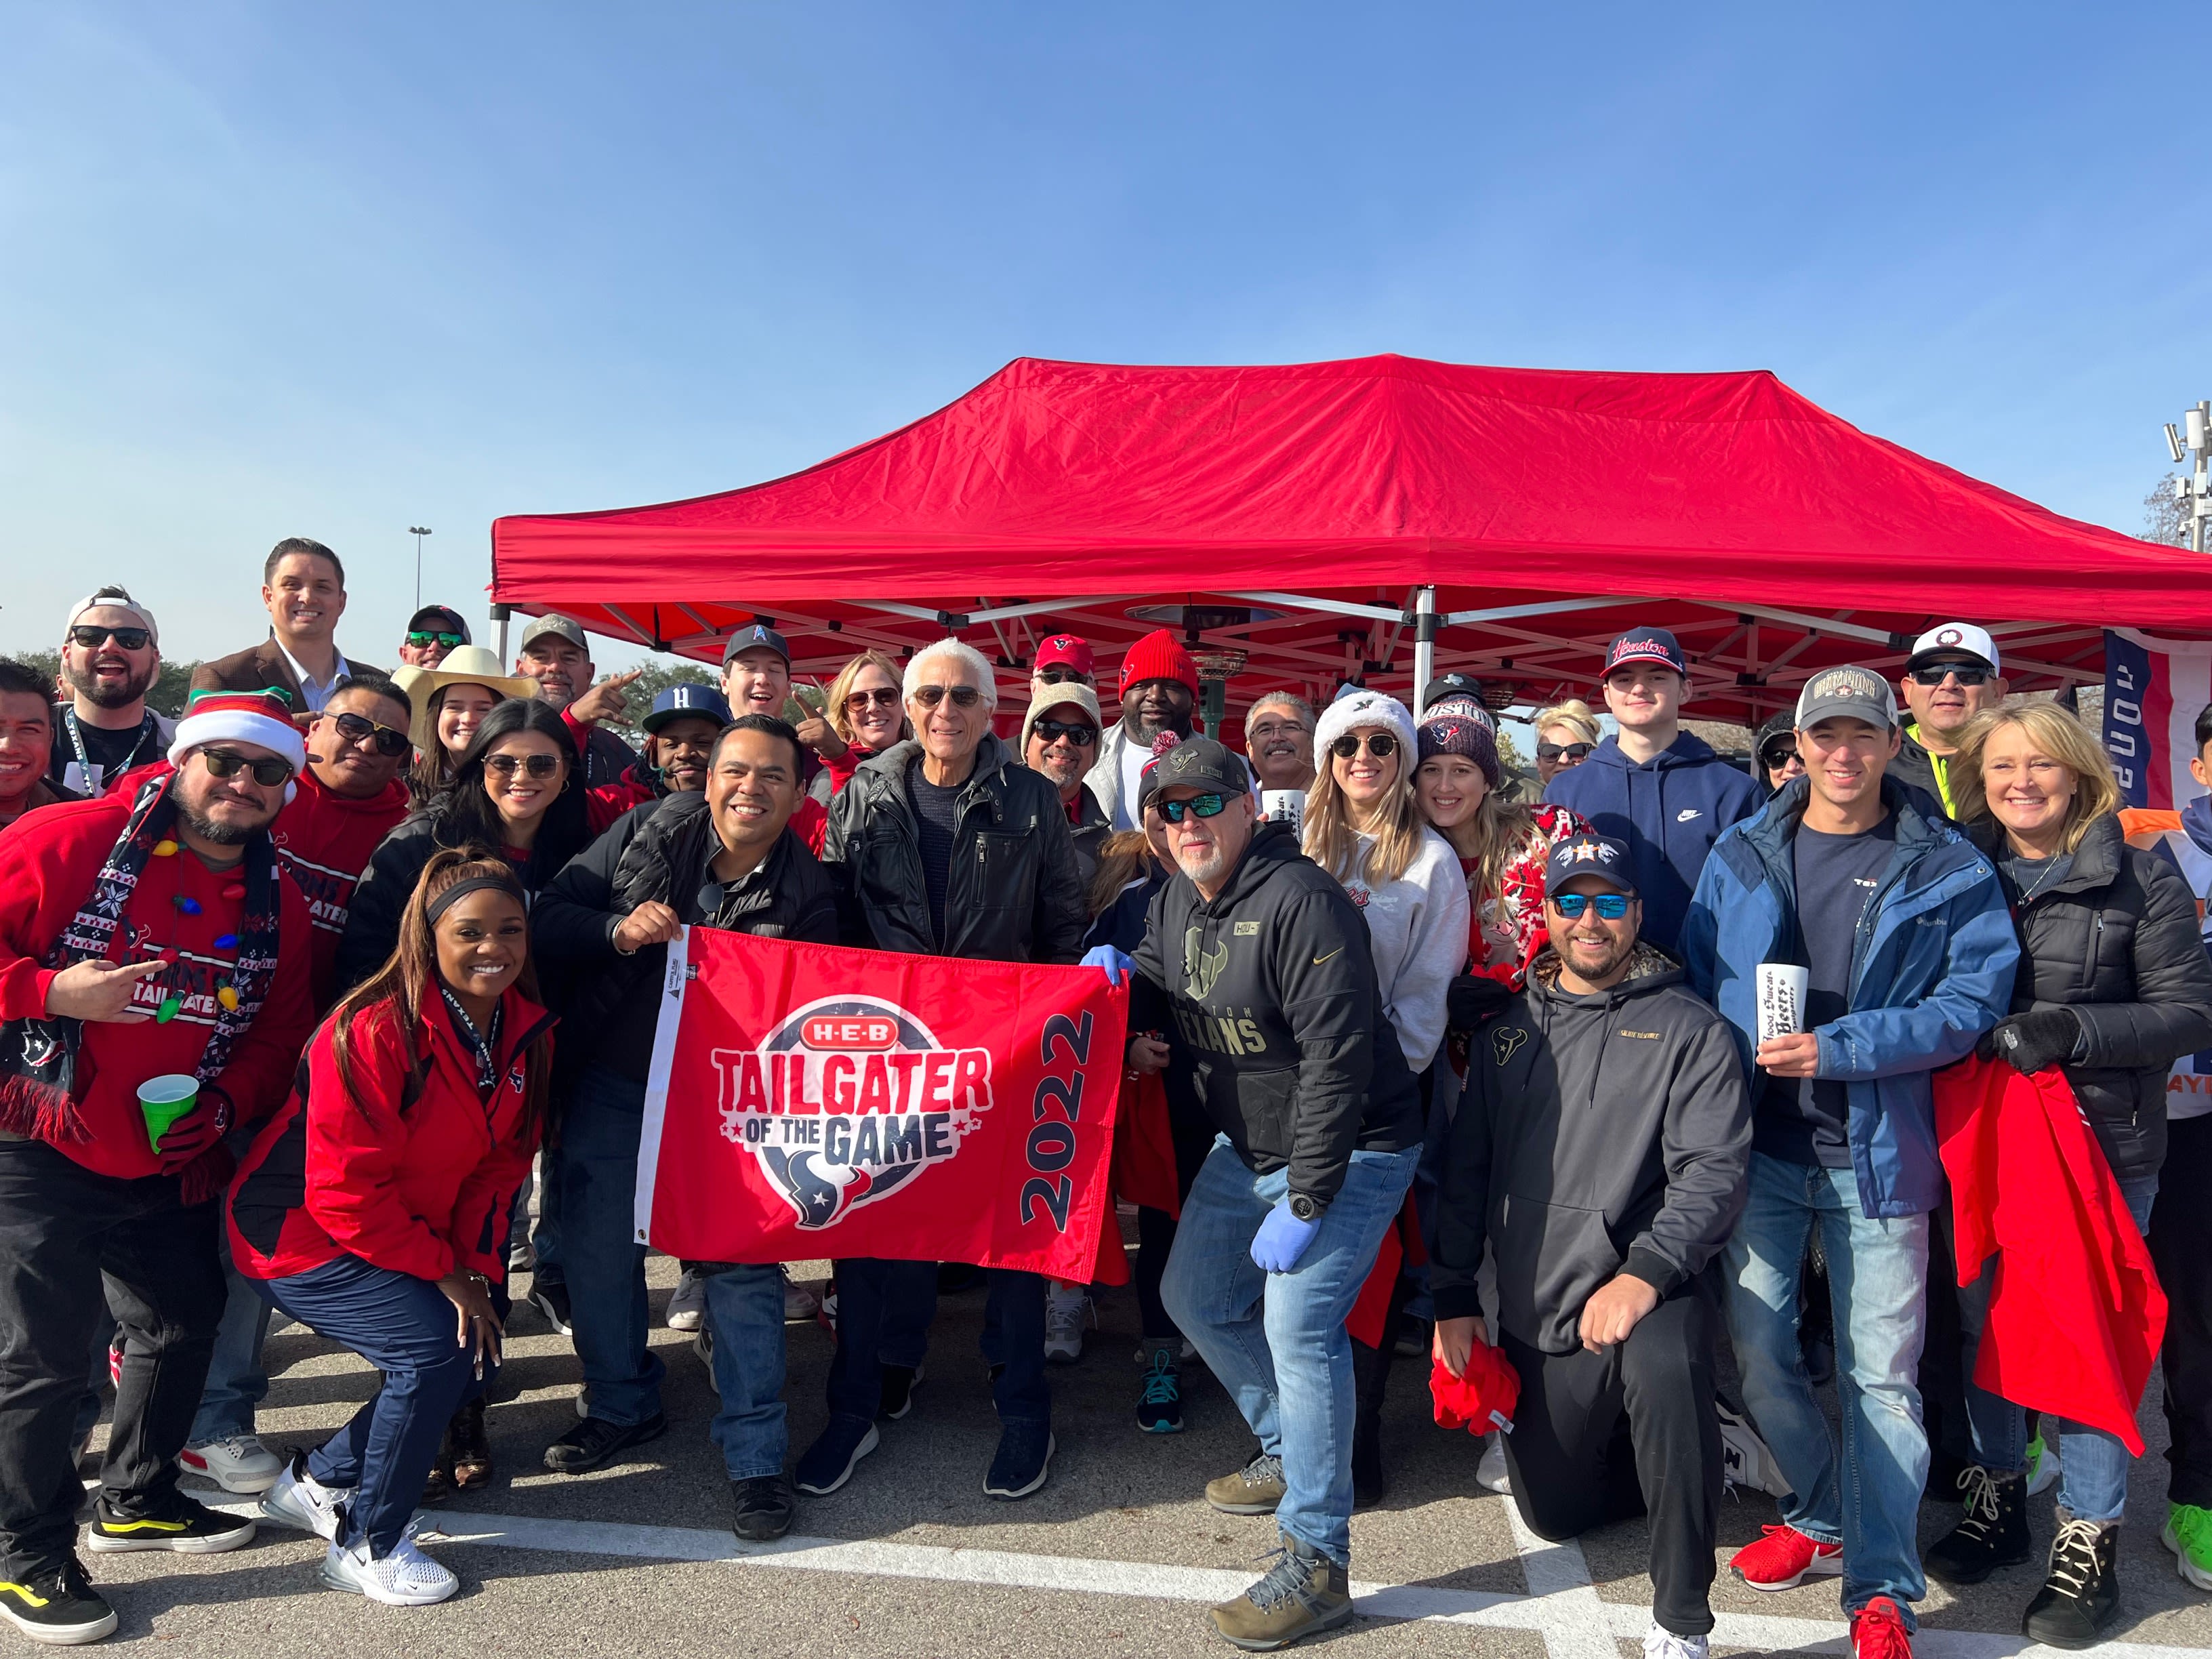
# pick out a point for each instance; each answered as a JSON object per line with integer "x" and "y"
{"x": 536, "y": 766}
{"x": 964, "y": 696}
{"x": 883, "y": 696}
{"x": 449, "y": 641}
{"x": 1380, "y": 744}
{"x": 221, "y": 763}
{"x": 1204, "y": 807}
{"x": 1267, "y": 729}
{"x": 1059, "y": 676}
{"x": 1075, "y": 731}
{"x": 1573, "y": 751}
{"x": 92, "y": 637}
{"x": 355, "y": 727}
{"x": 1966, "y": 672}
{"x": 1610, "y": 906}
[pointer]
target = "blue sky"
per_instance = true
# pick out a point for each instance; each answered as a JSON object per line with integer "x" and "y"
{"x": 279, "y": 270}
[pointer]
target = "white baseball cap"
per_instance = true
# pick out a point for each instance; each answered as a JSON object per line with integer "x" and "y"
{"x": 114, "y": 599}
{"x": 1954, "y": 640}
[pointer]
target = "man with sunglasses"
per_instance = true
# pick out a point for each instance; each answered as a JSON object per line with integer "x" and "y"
{"x": 111, "y": 658}
{"x": 1598, "y": 1154}
{"x": 432, "y": 632}
{"x": 1063, "y": 659}
{"x": 1951, "y": 676}
{"x": 1059, "y": 738}
{"x": 1159, "y": 693}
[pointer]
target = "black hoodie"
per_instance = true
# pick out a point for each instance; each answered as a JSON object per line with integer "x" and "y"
{"x": 1277, "y": 1030}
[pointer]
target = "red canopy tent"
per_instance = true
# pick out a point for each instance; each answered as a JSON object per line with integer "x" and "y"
{"x": 1303, "y": 524}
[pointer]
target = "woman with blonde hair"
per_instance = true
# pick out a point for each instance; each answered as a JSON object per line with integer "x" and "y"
{"x": 861, "y": 718}
{"x": 1566, "y": 732}
{"x": 2113, "y": 987}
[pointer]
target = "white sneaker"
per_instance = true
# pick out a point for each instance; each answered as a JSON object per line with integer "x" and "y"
{"x": 237, "y": 1462}
{"x": 2042, "y": 1465}
{"x": 1665, "y": 1644}
{"x": 800, "y": 1304}
{"x": 405, "y": 1578}
{"x": 1067, "y": 1309}
{"x": 1492, "y": 1475}
{"x": 298, "y": 1499}
{"x": 687, "y": 1309}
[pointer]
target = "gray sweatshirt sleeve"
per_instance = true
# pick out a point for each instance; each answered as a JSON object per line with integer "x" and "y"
{"x": 1705, "y": 1139}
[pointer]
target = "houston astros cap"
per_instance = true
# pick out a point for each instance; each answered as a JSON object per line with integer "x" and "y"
{"x": 1850, "y": 692}
{"x": 1588, "y": 854}
{"x": 1646, "y": 645}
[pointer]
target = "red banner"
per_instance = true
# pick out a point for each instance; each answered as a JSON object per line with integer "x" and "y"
{"x": 806, "y": 1101}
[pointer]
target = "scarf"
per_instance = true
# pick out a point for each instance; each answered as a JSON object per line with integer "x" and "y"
{"x": 37, "y": 1055}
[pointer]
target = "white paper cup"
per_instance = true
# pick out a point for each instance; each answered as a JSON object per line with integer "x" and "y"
{"x": 1782, "y": 988}
{"x": 1283, "y": 806}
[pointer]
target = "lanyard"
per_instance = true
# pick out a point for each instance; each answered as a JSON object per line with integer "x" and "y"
{"x": 487, "y": 1066}
{"x": 95, "y": 776}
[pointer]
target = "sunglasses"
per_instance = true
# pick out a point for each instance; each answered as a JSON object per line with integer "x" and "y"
{"x": 221, "y": 763}
{"x": 1204, "y": 807}
{"x": 1076, "y": 732}
{"x": 536, "y": 766}
{"x": 1058, "y": 676}
{"x": 449, "y": 641}
{"x": 883, "y": 696}
{"x": 1380, "y": 744}
{"x": 1966, "y": 674}
{"x": 964, "y": 696}
{"x": 353, "y": 728}
{"x": 92, "y": 638}
{"x": 1573, "y": 751}
{"x": 1776, "y": 758}
{"x": 1611, "y": 907}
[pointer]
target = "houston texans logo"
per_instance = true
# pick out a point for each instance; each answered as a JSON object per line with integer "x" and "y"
{"x": 1507, "y": 1042}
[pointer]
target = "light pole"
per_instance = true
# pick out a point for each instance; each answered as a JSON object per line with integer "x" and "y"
{"x": 2194, "y": 492}
{"x": 418, "y": 531}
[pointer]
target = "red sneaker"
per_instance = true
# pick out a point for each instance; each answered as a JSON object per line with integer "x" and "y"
{"x": 1878, "y": 1631}
{"x": 1784, "y": 1559}
{"x": 115, "y": 1360}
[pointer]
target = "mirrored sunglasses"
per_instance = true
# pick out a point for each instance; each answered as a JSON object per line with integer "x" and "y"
{"x": 449, "y": 641}
{"x": 1611, "y": 907}
{"x": 1204, "y": 807}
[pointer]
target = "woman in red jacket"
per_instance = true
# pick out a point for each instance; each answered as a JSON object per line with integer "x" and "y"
{"x": 373, "y": 1207}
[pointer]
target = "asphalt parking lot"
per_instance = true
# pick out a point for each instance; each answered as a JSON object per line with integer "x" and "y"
{"x": 1119, "y": 1554}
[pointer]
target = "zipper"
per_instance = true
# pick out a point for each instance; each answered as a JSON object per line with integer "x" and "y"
{"x": 2096, "y": 949}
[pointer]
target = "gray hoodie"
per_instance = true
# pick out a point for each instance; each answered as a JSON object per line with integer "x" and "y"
{"x": 1598, "y": 1134}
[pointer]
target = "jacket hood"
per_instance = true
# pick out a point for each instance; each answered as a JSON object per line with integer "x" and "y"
{"x": 2196, "y": 821}
{"x": 1688, "y": 748}
{"x": 1649, "y": 969}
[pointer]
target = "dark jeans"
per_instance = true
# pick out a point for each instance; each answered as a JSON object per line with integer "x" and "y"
{"x": 2181, "y": 1246}
{"x": 1156, "y": 1229}
{"x": 66, "y": 1234}
{"x": 1628, "y": 1431}
{"x": 406, "y": 1328}
{"x": 604, "y": 1264}
{"x": 884, "y": 1310}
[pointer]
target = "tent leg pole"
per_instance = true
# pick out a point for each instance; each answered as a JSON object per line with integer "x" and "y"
{"x": 499, "y": 614}
{"x": 1424, "y": 644}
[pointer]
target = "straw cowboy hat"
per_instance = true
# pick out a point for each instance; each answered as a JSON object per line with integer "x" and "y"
{"x": 465, "y": 665}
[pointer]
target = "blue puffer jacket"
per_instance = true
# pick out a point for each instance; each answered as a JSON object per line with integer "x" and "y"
{"x": 1670, "y": 810}
{"x": 1931, "y": 969}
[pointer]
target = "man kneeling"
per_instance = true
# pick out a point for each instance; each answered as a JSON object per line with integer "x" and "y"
{"x": 1600, "y": 1149}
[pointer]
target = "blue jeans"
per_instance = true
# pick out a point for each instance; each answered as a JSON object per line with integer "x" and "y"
{"x": 406, "y": 1328}
{"x": 2092, "y": 1474}
{"x": 545, "y": 1236}
{"x": 744, "y": 1312}
{"x": 1869, "y": 1503}
{"x": 883, "y": 1313}
{"x": 1277, "y": 1341}
{"x": 604, "y": 1264}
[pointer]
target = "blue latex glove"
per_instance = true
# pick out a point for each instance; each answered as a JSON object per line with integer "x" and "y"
{"x": 1117, "y": 964}
{"x": 1282, "y": 1239}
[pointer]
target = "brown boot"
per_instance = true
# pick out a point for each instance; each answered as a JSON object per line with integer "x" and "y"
{"x": 1255, "y": 1489}
{"x": 1303, "y": 1593}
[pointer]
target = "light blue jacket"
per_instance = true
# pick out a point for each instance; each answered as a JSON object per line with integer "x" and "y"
{"x": 1931, "y": 969}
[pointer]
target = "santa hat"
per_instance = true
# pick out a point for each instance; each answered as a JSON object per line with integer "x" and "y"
{"x": 260, "y": 718}
{"x": 1159, "y": 656}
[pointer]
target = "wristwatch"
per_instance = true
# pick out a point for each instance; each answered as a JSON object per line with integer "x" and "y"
{"x": 1307, "y": 1209}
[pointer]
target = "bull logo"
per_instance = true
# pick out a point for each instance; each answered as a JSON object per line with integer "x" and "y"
{"x": 1505, "y": 1043}
{"x": 1201, "y": 968}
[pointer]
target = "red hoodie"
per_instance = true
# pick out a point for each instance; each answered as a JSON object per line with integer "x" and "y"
{"x": 324, "y": 841}
{"x": 48, "y": 863}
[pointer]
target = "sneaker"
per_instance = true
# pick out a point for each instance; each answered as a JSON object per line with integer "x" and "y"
{"x": 186, "y": 1525}
{"x": 405, "y": 1578}
{"x": 2080, "y": 1599}
{"x": 1021, "y": 1463}
{"x": 298, "y": 1499}
{"x": 1659, "y": 1642}
{"x": 520, "y": 1258}
{"x": 1492, "y": 1474}
{"x": 1186, "y": 1350}
{"x": 826, "y": 1315}
{"x": 1878, "y": 1629}
{"x": 1745, "y": 1459}
{"x": 1255, "y": 1489}
{"x": 1067, "y": 1309}
{"x": 58, "y": 1607}
{"x": 1159, "y": 1401}
{"x": 702, "y": 1344}
{"x": 1784, "y": 1559}
{"x": 2189, "y": 1534}
{"x": 1413, "y": 1338}
{"x": 763, "y": 1508}
{"x": 237, "y": 1462}
{"x": 898, "y": 1386}
{"x": 828, "y": 1463}
{"x": 595, "y": 1440}
{"x": 800, "y": 1304}
{"x": 2042, "y": 1465}
{"x": 115, "y": 1359}
{"x": 551, "y": 1297}
{"x": 1992, "y": 1533}
{"x": 686, "y": 1307}
{"x": 1304, "y": 1593}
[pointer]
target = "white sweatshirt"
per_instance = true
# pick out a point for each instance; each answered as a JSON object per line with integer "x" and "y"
{"x": 1419, "y": 927}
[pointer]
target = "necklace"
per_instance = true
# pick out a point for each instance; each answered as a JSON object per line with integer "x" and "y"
{"x": 2041, "y": 876}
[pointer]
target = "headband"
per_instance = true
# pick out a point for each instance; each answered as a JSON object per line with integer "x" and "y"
{"x": 460, "y": 890}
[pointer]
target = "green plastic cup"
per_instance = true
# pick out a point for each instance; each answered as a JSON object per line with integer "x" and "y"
{"x": 164, "y": 1100}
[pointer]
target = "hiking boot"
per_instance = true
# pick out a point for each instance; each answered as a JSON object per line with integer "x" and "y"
{"x": 1784, "y": 1558}
{"x": 1255, "y": 1489}
{"x": 763, "y": 1508}
{"x": 58, "y": 1607}
{"x": 1304, "y": 1592}
{"x": 183, "y": 1525}
{"x": 2081, "y": 1595}
{"x": 1159, "y": 1401}
{"x": 236, "y": 1462}
{"x": 594, "y": 1440}
{"x": 1878, "y": 1630}
{"x": 1022, "y": 1462}
{"x": 1992, "y": 1533}
{"x": 298, "y": 1499}
{"x": 2189, "y": 1534}
{"x": 828, "y": 1463}
{"x": 897, "y": 1398}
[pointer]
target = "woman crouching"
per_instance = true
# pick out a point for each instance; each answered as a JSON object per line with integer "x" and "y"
{"x": 373, "y": 1207}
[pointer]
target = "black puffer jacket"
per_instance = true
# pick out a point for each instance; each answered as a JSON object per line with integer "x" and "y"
{"x": 1015, "y": 893}
{"x": 2115, "y": 939}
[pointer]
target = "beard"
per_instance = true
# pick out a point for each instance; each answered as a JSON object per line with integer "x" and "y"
{"x": 220, "y": 835}
{"x": 112, "y": 696}
{"x": 1208, "y": 870}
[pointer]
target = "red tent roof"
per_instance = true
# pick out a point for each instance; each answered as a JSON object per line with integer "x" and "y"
{"x": 1716, "y": 502}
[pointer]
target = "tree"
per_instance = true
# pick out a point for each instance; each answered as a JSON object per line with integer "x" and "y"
{"x": 167, "y": 696}
{"x": 2165, "y": 519}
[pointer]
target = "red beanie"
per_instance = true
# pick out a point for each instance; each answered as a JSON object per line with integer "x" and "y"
{"x": 1159, "y": 656}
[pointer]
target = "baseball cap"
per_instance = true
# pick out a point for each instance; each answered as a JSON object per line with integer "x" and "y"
{"x": 1066, "y": 651}
{"x": 1589, "y": 854}
{"x": 752, "y": 635}
{"x": 1646, "y": 645}
{"x": 115, "y": 598}
{"x": 678, "y": 702}
{"x": 1200, "y": 764}
{"x": 445, "y": 618}
{"x": 553, "y": 623}
{"x": 1856, "y": 693}
{"x": 1954, "y": 640}
{"x": 1454, "y": 685}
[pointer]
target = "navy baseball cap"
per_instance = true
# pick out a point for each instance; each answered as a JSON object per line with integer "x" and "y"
{"x": 678, "y": 702}
{"x": 1646, "y": 645}
{"x": 758, "y": 634}
{"x": 1586, "y": 854}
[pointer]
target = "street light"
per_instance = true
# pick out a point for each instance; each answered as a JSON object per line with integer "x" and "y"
{"x": 2193, "y": 491}
{"x": 418, "y": 531}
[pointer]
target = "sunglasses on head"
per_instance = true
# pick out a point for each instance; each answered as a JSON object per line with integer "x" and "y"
{"x": 355, "y": 727}
{"x": 883, "y": 696}
{"x": 1611, "y": 907}
{"x": 1968, "y": 674}
{"x": 1380, "y": 744}
{"x": 1573, "y": 751}
{"x": 1204, "y": 807}
{"x": 1059, "y": 676}
{"x": 1076, "y": 732}
{"x": 449, "y": 641}
{"x": 221, "y": 763}
{"x": 92, "y": 637}
{"x": 964, "y": 696}
{"x": 536, "y": 766}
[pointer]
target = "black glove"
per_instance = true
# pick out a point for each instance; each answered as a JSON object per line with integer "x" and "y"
{"x": 2029, "y": 1042}
{"x": 1471, "y": 999}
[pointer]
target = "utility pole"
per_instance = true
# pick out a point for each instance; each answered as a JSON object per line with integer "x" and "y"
{"x": 2194, "y": 492}
{"x": 419, "y": 531}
